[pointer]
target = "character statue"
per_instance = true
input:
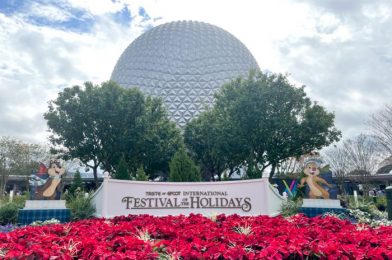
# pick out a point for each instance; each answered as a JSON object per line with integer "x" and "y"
{"x": 45, "y": 184}
{"x": 313, "y": 180}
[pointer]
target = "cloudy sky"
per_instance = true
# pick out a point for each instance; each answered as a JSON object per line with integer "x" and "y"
{"x": 340, "y": 49}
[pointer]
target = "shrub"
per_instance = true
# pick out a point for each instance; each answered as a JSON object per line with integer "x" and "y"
{"x": 363, "y": 201}
{"x": 289, "y": 208}
{"x": 374, "y": 218}
{"x": 9, "y": 213}
{"x": 80, "y": 205}
{"x": 17, "y": 199}
{"x": 381, "y": 203}
{"x": 367, "y": 212}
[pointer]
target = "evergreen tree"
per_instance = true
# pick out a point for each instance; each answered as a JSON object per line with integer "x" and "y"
{"x": 122, "y": 172}
{"x": 77, "y": 183}
{"x": 141, "y": 174}
{"x": 226, "y": 176}
{"x": 182, "y": 168}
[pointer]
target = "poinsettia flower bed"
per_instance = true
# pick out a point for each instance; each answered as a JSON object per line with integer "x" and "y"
{"x": 199, "y": 237}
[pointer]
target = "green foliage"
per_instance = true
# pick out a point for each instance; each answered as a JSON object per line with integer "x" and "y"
{"x": 205, "y": 136}
{"x": 335, "y": 215}
{"x": 141, "y": 174}
{"x": 174, "y": 174}
{"x": 253, "y": 171}
{"x": 18, "y": 158}
{"x": 122, "y": 172}
{"x": 18, "y": 200}
{"x": 182, "y": 168}
{"x": 370, "y": 216}
{"x": 21, "y": 157}
{"x": 381, "y": 203}
{"x": 326, "y": 168}
{"x": 259, "y": 122}
{"x": 290, "y": 208}
{"x": 364, "y": 202}
{"x": 100, "y": 124}
{"x": 77, "y": 183}
{"x": 366, "y": 211}
{"x": 9, "y": 213}
{"x": 81, "y": 206}
{"x": 368, "y": 208}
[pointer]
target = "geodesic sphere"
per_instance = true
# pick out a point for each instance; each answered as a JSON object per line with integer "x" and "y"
{"x": 184, "y": 63}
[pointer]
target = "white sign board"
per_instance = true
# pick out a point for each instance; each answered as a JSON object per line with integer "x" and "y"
{"x": 247, "y": 198}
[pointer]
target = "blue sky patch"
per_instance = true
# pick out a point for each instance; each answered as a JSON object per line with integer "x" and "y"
{"x": 9, "y": 7}
{"x": 78, "y": 20}
{"x": 144, "y": 14}
{"x": 74, "y": 25}
{"x": 74, "y": 19}
{"x": 123, "y": 16}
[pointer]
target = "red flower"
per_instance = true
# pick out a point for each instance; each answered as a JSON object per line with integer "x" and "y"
{"x": 196, "y": 237}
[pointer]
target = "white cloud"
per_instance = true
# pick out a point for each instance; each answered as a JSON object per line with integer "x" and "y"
{"x": 258, "y": 24}
{"x": 347, "y": 68}
{"x": 36, "y": 62}
{"x": 340, "y": 51}
{"x": 49, "y": 12}
{"x": 95, "y": 7}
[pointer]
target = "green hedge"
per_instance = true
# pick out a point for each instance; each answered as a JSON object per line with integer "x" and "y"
{"x": 9, "y": 213}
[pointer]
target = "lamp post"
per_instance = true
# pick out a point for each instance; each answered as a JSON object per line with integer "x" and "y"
{"x": 388, "y": 191}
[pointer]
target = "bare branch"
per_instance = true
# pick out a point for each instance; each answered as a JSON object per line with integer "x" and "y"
{"x": 381, "y": 127}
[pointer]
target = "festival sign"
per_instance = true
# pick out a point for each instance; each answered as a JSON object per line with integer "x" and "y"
{"x": 247, "y": 198}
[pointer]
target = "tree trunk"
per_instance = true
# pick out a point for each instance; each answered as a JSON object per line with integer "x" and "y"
{"x": 272, "y": 172}
{"x": 3, "y": 184}
{"x": 231, "y": 171}
{"x": 95, "y": 172}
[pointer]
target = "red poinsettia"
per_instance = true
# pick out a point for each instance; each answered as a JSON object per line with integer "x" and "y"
{"x": 199, "y": 237}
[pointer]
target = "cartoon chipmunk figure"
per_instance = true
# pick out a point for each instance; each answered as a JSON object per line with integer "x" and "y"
{"x": 55, "y": 172}
{"x": 46, "y": 183}
{"x": 312, "y": 171}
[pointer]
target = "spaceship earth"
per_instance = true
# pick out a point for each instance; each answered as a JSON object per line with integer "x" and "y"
{"x": 184, "y": 63}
